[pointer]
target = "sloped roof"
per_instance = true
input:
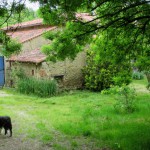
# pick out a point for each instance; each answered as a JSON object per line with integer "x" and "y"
{"x": 34, "y": 56}
{"x": 28, "y": 34}
{"x": 36, "y": 22}
{"x": 31, "y": 29}
{"x": 28, "y": 30}
{"x": 24, "y": 24}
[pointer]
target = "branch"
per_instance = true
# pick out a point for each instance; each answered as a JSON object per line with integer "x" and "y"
{"x": 106, "y": 26}
{"x": 119, "y": 11}
{"x": 11, "y": 11}
{"x": 99, "y": 4}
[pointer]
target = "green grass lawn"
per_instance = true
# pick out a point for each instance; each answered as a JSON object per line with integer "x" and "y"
{"x": 80, "y": 120}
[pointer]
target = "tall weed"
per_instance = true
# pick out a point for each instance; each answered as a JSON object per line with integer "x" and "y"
{"x": 41, "y": 88}
{"x": 125, "y": 98}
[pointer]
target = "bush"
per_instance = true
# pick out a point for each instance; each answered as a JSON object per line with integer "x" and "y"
{"x": 125, "y": 97}
{"x": 101, "y": 74}
{"x": 138, "y": 75}
{"x": 126, "y": 100}
{"x": 42, "y": 88}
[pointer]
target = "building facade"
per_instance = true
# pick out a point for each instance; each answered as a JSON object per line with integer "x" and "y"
{"x": 32, "y": 61}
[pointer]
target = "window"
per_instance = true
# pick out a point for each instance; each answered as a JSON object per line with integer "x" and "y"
{"x": 59, "y": 78}
{"x": 32, "y": 72}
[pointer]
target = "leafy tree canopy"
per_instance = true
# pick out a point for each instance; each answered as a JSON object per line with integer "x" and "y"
{"x": 124, "y": 25}
{"x": 12, "y": 13}
{"x": 129, "y": 16}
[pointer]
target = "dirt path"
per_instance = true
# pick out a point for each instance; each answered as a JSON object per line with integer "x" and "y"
{"x": 26, "y": 135}
{"x": 3, "y": 94}
{"x": 19, "y": 142}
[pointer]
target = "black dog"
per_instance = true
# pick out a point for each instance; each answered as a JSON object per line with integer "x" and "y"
{"x": 5, "y": 122}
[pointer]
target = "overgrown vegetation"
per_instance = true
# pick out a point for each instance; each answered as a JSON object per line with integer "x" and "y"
{"x": 80, "y": 120}
{"x": 39, "y": 87}
{"x": 31, "y": 85}
{"x": 101, "y": 72}
{"x": 12, "y": 13}
{"x": 125, "y": 98}
{"x": 126, "y": 101}
{"x": 137, "y": 75}
{"x": 10, "y": 47}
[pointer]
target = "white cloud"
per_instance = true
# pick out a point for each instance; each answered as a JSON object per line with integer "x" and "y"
{"x": 33, "y": 6}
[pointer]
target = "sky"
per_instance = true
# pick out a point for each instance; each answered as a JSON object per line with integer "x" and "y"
{"x": 33, "y": 6}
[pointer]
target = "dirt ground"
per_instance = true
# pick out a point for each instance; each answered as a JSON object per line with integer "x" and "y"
{"x": 18, "y": 142}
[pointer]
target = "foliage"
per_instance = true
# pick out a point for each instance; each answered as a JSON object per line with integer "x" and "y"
{"x": 137, "y": 75}
{"x": 41, "y": 88}
{"x": 106, "y": 65}
{"x": 64, "y": 39}
{"x": 17, "y": 74}
{"x": 25, "y": 15}
{"x": 126, "y": 101}
{"x": 12, "y": 13}
{"x": 143, "y": 63}
{"x": 10, "y": 47}
{"x": 131, "y": 17}
{"x": 124, "y": 24}
{"x": 9, "y": 9}
{"x": 125, "y": 97}
{"x": 96, "y": 77}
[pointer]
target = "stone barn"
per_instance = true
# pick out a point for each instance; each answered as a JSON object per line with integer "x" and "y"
{"x": 68, "y": 73}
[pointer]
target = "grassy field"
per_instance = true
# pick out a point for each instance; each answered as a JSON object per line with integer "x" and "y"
{"x": 80, "y": 120}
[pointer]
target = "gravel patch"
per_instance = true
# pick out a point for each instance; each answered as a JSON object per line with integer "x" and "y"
{"x": 19, "y": 143}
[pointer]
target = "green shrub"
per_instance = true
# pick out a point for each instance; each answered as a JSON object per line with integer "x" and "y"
{"x": 138, "y": 75}
{"x": 125, "y": 100}
{"x": 101, "y": 74}
{"x": 41, "y": 88}
{"x": 125, "y": 97}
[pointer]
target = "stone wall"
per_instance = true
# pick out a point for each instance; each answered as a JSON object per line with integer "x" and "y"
{"x": 34, "y": 43}
{"x": 68, "y": 72}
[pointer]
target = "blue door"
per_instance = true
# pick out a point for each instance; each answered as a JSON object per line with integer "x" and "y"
{"x": 2, "y": 73}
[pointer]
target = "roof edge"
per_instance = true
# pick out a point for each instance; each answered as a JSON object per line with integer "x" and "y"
{"x": 37, "y": 35}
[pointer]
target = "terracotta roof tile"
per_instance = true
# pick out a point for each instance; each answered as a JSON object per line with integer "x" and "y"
{"x": 34, "y": 56}
{"x": 28, "y": 34}
{"x": 25, "y": 24}
{"x": 28, "y": 30}
{"x": 31, "y": 29}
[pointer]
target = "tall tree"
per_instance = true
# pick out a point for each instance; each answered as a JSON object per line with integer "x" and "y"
{"x": 131, "y": 16}
{"x": 12, "y": 12}
{"x": 126, "y": 24}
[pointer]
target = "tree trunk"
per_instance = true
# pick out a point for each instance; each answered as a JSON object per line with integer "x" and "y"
{"x": 148, "y": 79}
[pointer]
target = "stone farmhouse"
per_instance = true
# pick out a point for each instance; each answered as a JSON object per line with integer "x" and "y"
{"x": 68, "y": 73}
